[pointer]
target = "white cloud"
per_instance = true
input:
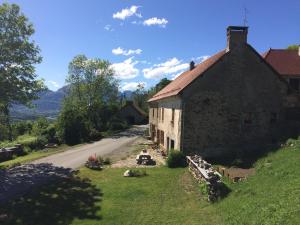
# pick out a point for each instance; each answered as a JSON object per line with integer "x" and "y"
{"x": 108, "y": 28}
{"x": 156, "y": 21}
{"x": 202, "y": 58}
{"x": 126, "y": 69}
{"x": 127, "y": 12}
{"x": 132, "y": 86}
{"x": 53, "y": 85}
{"x": 171, "y": 66}
{"x": 121, "y": 51}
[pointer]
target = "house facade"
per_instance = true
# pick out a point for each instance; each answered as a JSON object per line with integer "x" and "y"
{"x": 232, "y": 100}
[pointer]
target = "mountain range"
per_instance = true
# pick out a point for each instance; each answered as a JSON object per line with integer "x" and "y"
{"x": 48, "y": 105}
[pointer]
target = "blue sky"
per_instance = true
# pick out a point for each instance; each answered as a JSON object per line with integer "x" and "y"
{"x": 148, "y": 40}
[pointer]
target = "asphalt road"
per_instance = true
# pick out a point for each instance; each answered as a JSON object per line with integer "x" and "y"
{"x": 77, "y": 156}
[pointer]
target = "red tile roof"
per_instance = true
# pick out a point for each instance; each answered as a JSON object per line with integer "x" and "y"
{"x": 285, "y": 61}
{"x": 183, "y": 80}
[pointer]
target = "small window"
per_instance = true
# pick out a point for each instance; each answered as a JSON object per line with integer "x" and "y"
{"x": 156, "y": 112}
{"x": 162, "y": 137}
{"x": 248, "y": 118}
{"x": 294, "y": 83}
{"x": 153, "y": 112}
{"x": 273, "y": 118}
{"x": 162, "y": 114}
{"x": 173, "y": 115}
{"x": 172, "y": 144}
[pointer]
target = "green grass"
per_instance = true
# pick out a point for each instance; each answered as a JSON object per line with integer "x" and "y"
{"x": 164, "y": 196}
{"x": 272, "y": 196}
{"x": 167, "y": 196}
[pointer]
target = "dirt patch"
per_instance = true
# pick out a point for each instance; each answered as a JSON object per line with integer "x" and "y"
{"x": 236, "y": 174}
{"x": 129, "y": 160}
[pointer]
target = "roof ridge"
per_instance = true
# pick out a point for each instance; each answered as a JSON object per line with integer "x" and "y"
{"x": 187, "y": 77}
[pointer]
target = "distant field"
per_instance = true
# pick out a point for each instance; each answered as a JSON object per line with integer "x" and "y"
{"x": 167, "y": 196}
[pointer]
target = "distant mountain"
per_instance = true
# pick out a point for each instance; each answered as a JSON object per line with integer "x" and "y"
{"x": 48, "y": 105}
{"x": 127, "y": 95}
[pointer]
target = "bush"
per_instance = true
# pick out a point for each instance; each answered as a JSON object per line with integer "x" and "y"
{"x": 107, "y": 161}
{"x": 50, "y": 134}
{"x": 94, "y": 135}
{"x": 73, "y": 126}
{"x": 176, "y": 159}
{"x": 117, "y": 124}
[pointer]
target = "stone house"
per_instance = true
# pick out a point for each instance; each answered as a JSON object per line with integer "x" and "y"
{"x": 132, "y": 114}
{"x": 287, "y": 63}
{"x": 233, "y": 100}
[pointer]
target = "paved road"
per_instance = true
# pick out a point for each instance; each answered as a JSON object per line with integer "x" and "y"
{"x": 76, "y": 157}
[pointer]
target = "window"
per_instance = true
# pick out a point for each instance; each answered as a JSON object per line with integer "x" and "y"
{"x": 273, "y": 118}
{"x": 162, "y": 114}
{"x": 168, "y": 143}
{"x": 294, "y": 83}
{"x": 162, "y": 137}
{"x": 248, "y": 118}
{"x": 156, "y": 112}
{"x": 173, "y": 116}
{"x": 153, "y": 112}
{"x": 172, "y": 144}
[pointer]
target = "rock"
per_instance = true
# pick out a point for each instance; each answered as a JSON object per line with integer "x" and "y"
{"x": 127, "y": 173}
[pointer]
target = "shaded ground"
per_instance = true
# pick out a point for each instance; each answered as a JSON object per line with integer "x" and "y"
{"x": 62, "y": 197}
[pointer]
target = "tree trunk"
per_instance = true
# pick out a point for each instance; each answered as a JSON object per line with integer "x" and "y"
{"x": 7, "y": 121}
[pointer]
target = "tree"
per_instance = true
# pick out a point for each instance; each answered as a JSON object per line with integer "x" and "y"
{"x": 293, "y": 47}
{"x": 18, "y": 54}
{"x": 159, "y": 86}
{"x": 140, "y": 97}
{"x": 92, "y": 99}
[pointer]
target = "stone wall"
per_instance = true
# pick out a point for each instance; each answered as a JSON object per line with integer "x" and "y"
{"x": 236, "y": 104}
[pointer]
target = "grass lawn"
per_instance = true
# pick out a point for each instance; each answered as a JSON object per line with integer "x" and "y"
{"x": 165, "y": 196}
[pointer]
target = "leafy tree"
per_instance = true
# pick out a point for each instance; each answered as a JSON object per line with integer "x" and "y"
{"x": 140, "y": 97}
{"x": 92, "y": 97}
{"x": 18, "y": 54}
{"x": 293, "y": 47}
{"x": 159, "y": 86}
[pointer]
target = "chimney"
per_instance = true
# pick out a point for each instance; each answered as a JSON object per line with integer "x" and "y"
{"x": 192, "y": 65}
{"x": 236, "y": 36}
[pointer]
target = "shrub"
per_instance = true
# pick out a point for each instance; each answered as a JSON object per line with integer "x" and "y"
{"x": 117, "y": 124}
{"x": 73, "y": 126}
{"x": 94, "y": 162}
{"x": 50, "y": 134}
{"x": 176, "y": 159}
{"x": 34, "y": 143}
{"x": 107, "y": 161}
{"x": 94, "y": 135}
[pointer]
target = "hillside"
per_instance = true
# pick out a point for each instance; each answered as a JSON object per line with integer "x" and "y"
{"x": 48, "y": 105}
{"x": 269, "y": 197}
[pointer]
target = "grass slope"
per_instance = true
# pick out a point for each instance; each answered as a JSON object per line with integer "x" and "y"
{"x": 272, "y": 196}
